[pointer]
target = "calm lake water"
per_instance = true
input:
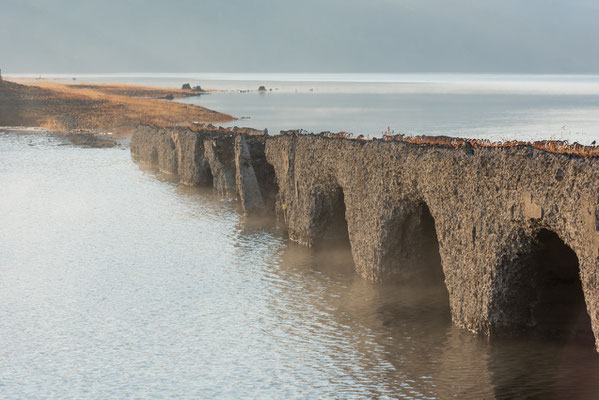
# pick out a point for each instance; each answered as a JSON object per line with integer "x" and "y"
{"x": 495, "y": 107}
{"x": 118, "y": 283}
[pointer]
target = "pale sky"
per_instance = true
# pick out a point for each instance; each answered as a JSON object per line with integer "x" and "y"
{"x": 507, "y": 36}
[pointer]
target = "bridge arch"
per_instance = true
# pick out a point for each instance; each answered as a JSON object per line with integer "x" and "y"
{"x": 540, "y": 291}
{"x": 329, "y": 219}
{"x": 267, "y": 182}
{"x": 206, "y": 178}
{"x": 412, "y": 244}
{"x": 154, "y": 156}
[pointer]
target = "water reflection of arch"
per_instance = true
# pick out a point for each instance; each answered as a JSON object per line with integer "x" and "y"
{"x": 388, "y": 337}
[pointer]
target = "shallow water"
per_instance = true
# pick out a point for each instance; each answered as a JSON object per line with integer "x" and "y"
{"x": 116, "y": 282}
{"x": 495, "y": 107}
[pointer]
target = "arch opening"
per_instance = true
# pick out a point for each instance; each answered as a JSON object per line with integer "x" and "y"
{"x": 550, "y": 298}
{"x": 413, "y": 265}
{"x": 154, "y": 157}
{"x": 205, "y": 177}
{"x": 334, "y": 229}
{"x": 414, "y": 251}
{"x": 267, "y": 183}
{"x": 265, "y": 172}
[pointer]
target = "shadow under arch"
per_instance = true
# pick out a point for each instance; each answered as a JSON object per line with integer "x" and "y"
{"x": 413, "y": 249}
{"x": 265, "y": 172}
{"x": 205, "y": 176}
{"x": 330, "y": 222}
{"x": 154, "y": 157}
{"x": 267, "y": 183}
{"x": 542, "y": 291}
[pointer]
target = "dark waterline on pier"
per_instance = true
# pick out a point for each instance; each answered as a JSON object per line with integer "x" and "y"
{"x": 116, "y": 282}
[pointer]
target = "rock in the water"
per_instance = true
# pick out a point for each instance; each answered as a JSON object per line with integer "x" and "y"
{"x": 262, "y": 89}
{"x": 186, "y": 86}
{"x": 197, "y": 89}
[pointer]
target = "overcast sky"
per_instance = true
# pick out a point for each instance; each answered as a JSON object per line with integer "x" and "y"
{"x": 511, "y": 36}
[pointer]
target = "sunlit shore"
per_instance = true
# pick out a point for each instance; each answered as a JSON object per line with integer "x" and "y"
{"x": 98, "y": 107}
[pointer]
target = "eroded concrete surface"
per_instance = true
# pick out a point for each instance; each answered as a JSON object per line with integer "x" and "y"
{"x": 490, "y": 215}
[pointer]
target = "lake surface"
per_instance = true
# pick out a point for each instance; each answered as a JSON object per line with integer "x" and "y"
{"x": 116, "y": 282}
{"x": 495, "y": 107}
